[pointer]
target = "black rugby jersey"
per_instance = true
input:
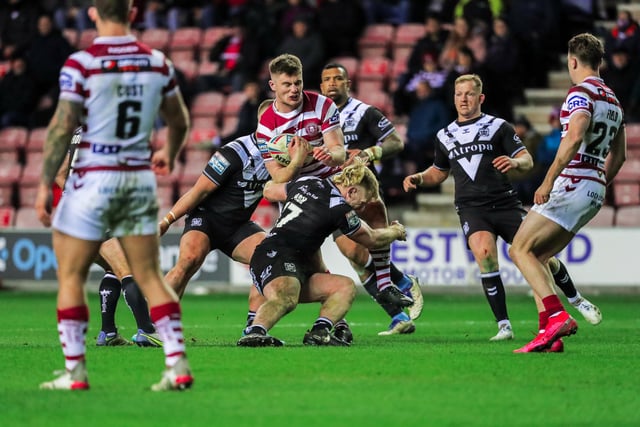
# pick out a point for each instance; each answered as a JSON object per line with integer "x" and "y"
{"x": 363, "y": 125}
{"x": 467, "y": 150}
{"x": 313, "y": 210}
{"x": 239, "y": 171}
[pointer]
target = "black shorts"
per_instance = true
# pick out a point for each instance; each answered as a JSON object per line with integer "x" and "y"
{"x": 501, "y": 221}
{"x": 269, "y": 262}
{"x": 223, "y": 237}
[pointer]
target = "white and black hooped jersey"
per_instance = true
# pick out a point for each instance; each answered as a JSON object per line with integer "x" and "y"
{"x": 239, "y": 171}
{"x": 467, "y": 150}
{"x": 313, "y": 210}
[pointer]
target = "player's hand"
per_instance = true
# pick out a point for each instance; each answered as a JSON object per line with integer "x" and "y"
{"x": 161, "y": 164}
{"x": 411, "y": 182}
{"x": 504, "y": 164}
{"x": 44, "y": 204}
{"x": 299, "y": 148}
{"x": 322, "y": 154}
{"x": 162, "y": 228}
{"x": 401, "y": 230}
{"x": 542, "y": 194}
{"x": 352, "y": 154}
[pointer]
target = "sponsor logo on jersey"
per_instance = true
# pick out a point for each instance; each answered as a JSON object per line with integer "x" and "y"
{"x": 290, "y": 267}
{"x": 383, "y": 123}
{"x": 349, "y": 123}
{"x": 218, "y": 163}
{"x": 66, "y": 81}
{"x": 335, "y": 119}
{"x": 122, "y": 49}
{"x": 576, "y": 102}
{"x": 352, "y": 219}
{"x": 272, "y": 254}
{"x": 266, "y": 273}
{"x": 196, "y": 222}
{"x": 125, "y": 64}
{"x": 484, "y": 132}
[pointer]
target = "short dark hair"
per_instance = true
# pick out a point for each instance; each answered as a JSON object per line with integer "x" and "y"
{"x": 588, "y": 49}
{"x": 337, "y": 65}
{"x": 285, "y": 64}
{"x": 114, "y": 10}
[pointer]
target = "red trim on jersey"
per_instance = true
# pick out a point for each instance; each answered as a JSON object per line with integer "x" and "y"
{"x": 577, "y": 178}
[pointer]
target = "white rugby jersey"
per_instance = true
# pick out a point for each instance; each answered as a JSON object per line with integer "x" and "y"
{"x": 121, "y": 84}
{"x": 315, "y": 116}
{"x": 597, "y": 100}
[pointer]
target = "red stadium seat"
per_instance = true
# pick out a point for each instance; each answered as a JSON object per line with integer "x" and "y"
{"x": 188, "y": 66}
{"x": 207, "y": 68}
{"x": 408, "y": 34}
{"x": 626, "y": 193}
{"x": 229, "y": 125}
{"x": 7, "y": 216}
{"x": 26, "y": 217}
{"x": 208, "y": 104}
{"x": 6, "y": 194}
{"x": 197, "y": 137}
{"x": 628, "y": 216}
{"x": 210, "y": 37}
{"x": 350, "y": 63}
{"x": 186, "y": 38}
{"x": 10, "y": 172}
{"x": 33, "y": 169}
{"x": 37, "y": 138}
{"x": 181, "y": 56}
{"x": 86, "y": 38}
{"x": 27, "y": 194}
{"x": 633, "y": 135}
{"x": 378, "y": 99}
{"x": 156, "y": 38}
{"x": 13, "y": 138}
{"x": 604, "y": 218}
{"x": 203, "y": 123}
{"x": 630, "y": 171}
{"x": 375, "y": 40}
{"x": 374, "y": 70}
{"x": 233, "y": 103}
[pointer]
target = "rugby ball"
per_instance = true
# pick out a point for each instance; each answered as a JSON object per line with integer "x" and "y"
{"x": 278, "y": 148}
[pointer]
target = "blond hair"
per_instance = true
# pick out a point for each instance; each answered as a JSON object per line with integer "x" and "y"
{"x": 357, "y": 173}
{"x": 473, "y": 78}
{"x": 285, "y": 64}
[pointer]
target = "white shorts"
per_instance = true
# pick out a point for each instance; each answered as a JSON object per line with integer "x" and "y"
{"x": 123, "y": 202}
{"x": 573, "y": 202}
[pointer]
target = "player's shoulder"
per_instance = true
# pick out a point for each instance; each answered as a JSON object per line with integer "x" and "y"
{"x": 315, "y": 100}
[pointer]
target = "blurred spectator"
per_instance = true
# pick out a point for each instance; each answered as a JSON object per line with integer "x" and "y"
{"x": 248, "y": 115}
{"x": 624, "y": 35}
{"x": 295, "y": 9}
{"x": 386, "y": 11}
{"x": 73, "y": 14}
{"x": 621, "y": 74}
{"x": 433, "y": 41}
{"x": 18, "y": 20}
{"x": 535, "y": 27}
{"x": 341, "y": 23}
{"x": 548, "y": 147}
{"x": 528, "y": 182}
{"x": 305, "y": 43}
{"x": 578, "y": 16}
{"x": 238, "y": 59}
{"x": 430, "y": 72}
{"x": 478, "y": 12}
{"x": 46, "y": 55}
{"x": 501, "y": 63}
{"x": 465, "y": 64}
{"x": 428, "y": 115}
{"x": 173, "y": 14}
{"x": 17, "y": 93}
{"x": 457, "y": 38}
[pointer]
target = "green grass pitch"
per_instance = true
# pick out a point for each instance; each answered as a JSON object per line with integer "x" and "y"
{"x": 446, "y": 374}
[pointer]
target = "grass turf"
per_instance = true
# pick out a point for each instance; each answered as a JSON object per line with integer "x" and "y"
{"x": 446, "y": 374}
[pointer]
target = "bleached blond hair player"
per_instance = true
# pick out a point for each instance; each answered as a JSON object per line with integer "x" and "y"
{"x": 591, "y": 152}
{"x": 114, "y": 89}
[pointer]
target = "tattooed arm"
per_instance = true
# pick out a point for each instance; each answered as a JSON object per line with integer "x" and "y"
{"x": 64, "y": 122}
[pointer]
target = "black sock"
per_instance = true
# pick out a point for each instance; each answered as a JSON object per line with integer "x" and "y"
{"x": 372, "y": 288}
{"x": 341, "y": 324}
{"x": 250, "y": 316}
{"x": 322, "y": 323}
{"x": 109, "y": 291}
{"x": 137, "y": 304}
{"x": 494, "y": 291}
{"x": 564, "y": 282}
{"x": 396, "y": 275}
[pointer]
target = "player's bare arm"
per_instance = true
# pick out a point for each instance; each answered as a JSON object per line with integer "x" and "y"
{"x": 617, "y": 155}
{"x": 521, "y": 162}
{"x": 569, "y": 145}
{"x": 332, "y": 152}
{"x": 189, "y": 200}
{"x": 430, "y": 177}
{"x": 378, "y": 237}
{"x": 275, "y": 191}
{"x": 174, "y": 112}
